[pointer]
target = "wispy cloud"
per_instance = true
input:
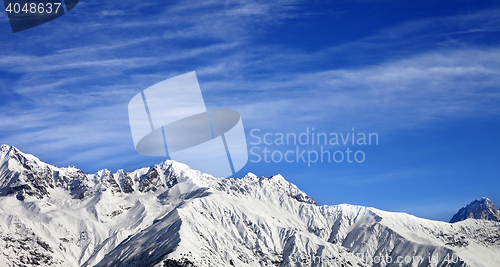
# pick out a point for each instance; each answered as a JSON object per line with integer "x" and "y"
{"x": 408, "y": 93}
{"x": 485, "y": 20}
{"x": 74, "y": 97}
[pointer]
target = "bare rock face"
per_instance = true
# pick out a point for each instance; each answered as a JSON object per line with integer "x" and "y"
{"x": 478, "y": 209}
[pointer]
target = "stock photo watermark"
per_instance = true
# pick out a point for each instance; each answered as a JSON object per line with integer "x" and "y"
{"x": 170, "y": 119}
{"x": 310, "y": 146}
{"x": 383, "y": 259}
{"x": 25, "y": 14}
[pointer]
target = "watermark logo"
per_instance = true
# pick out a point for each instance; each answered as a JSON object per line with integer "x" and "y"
{"x": 26, "y": 14}
{"x": 310, "y": 146}
{"x": 170, "y": 119}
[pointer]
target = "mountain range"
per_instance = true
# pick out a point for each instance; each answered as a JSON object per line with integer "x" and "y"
{"x": 171, "y": 215}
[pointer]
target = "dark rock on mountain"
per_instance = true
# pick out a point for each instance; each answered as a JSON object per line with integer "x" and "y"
{"x": 478, "y": 209}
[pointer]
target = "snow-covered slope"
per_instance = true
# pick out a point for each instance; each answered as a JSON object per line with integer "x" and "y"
{"x": 171, "y": 215}
{"x": 478, "y": 209}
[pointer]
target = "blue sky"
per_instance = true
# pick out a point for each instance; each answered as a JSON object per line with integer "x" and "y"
{"x": 423, "y": 75}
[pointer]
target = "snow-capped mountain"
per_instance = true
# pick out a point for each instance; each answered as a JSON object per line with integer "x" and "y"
{"x": 478, "y": 209}
{"x": 171, "y": 215}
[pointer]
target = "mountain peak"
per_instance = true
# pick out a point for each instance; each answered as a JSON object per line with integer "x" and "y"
{"x": 5, "y": 149}
{"x": 14, "y": 152}
{"x": 478, "y": 209}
